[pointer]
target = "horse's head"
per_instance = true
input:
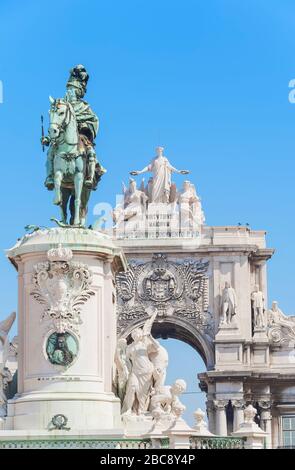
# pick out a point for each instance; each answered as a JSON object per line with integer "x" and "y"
{"x": 60, "y": 115}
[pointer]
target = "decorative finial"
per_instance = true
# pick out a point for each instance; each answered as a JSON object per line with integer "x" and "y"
{"x": 249, "y": 414}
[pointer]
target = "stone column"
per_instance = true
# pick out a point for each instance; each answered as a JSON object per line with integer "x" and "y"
{"x": 238, "y": 406}
{"x": 265, "y": 416}
{"x": 220, "y": 413}
{"x": 211, "y": 415}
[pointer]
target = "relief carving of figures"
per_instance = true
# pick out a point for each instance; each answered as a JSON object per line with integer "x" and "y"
{"x": 172, "y": 288}
{"x": 228, "y": 304}
{"x": 62, "y": 286}
{"x": 5, "y": 375}
{"x": 61, "y": 349}
{"x": 281, "y": 328}
{"x": 257, "y": 298}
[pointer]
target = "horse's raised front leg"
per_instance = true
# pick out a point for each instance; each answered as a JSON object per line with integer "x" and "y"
{"x": 57, "y": 186}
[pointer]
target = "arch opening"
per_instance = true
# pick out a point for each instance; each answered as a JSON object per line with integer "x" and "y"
{"x": 185, "y": 363}
{"x": 167, "y": 329}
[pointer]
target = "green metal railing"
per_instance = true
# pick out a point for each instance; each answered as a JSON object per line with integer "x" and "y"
{"x": 57, "y": 443}
{"x": 197, "y": 442}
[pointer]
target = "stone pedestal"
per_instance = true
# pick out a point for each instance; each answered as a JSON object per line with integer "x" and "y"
{"x": 260, "y": 356}
{"x": 248, "y": 429}
{"x": 137, "y": 426}
{"x": 228, "y": 346}
{"x": 260, "y": 335}
{"x": 179, "y": 435}
{"x": 67, "y": 331}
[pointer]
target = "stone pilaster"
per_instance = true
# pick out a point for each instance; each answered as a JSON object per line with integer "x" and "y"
{"x": 211, "y": 415}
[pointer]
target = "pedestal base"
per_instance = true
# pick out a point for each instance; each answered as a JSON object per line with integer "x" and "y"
{"x": 136, "y": 426}
{"x": 36, "y": 411}
{"x": 260, "y": 335}
{"x": 227, "y": 330}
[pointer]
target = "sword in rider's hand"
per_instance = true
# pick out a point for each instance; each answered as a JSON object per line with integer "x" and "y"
{"x": 42, "y": 132}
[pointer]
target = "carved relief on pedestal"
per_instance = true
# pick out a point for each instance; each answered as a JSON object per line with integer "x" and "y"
{"x": 61, "y": 349}
{"x": 171, "y": 288}
{"x": 62, "y": 286}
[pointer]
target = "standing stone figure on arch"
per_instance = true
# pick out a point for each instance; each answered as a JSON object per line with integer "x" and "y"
{"x": 228, "y": 304}
{"x": 257, "y": 299}
{"x": 160, "y": 186}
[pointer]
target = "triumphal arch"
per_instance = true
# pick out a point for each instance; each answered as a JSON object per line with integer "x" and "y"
{"x": 86, "y": 369}
{"x": 209, "y": 287}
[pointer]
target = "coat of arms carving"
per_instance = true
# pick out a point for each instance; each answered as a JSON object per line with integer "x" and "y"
{"x": 62, "y": 286}
{"x": 170, "y": 287}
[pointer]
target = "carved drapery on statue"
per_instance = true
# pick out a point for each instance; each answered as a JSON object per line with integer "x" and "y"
{"x": 62, "y": 286}
{"x": 141, "y": 373}
{"x": 178, "y": 289}
{"x": 281, "y": 328}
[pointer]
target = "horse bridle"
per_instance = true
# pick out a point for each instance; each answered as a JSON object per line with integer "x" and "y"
{"x": 69, "y": 112}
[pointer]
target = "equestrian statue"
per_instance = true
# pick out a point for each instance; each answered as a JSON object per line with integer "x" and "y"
{"x": 72, "y": 167}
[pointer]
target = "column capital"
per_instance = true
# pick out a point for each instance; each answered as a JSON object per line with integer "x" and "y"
{"x": 238, "y": 404}
{"x": 265, "y": 405}
{"x": 220, "y": 404}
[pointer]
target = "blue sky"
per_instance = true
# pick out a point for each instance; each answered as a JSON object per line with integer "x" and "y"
{"x": 208, "y": 80}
